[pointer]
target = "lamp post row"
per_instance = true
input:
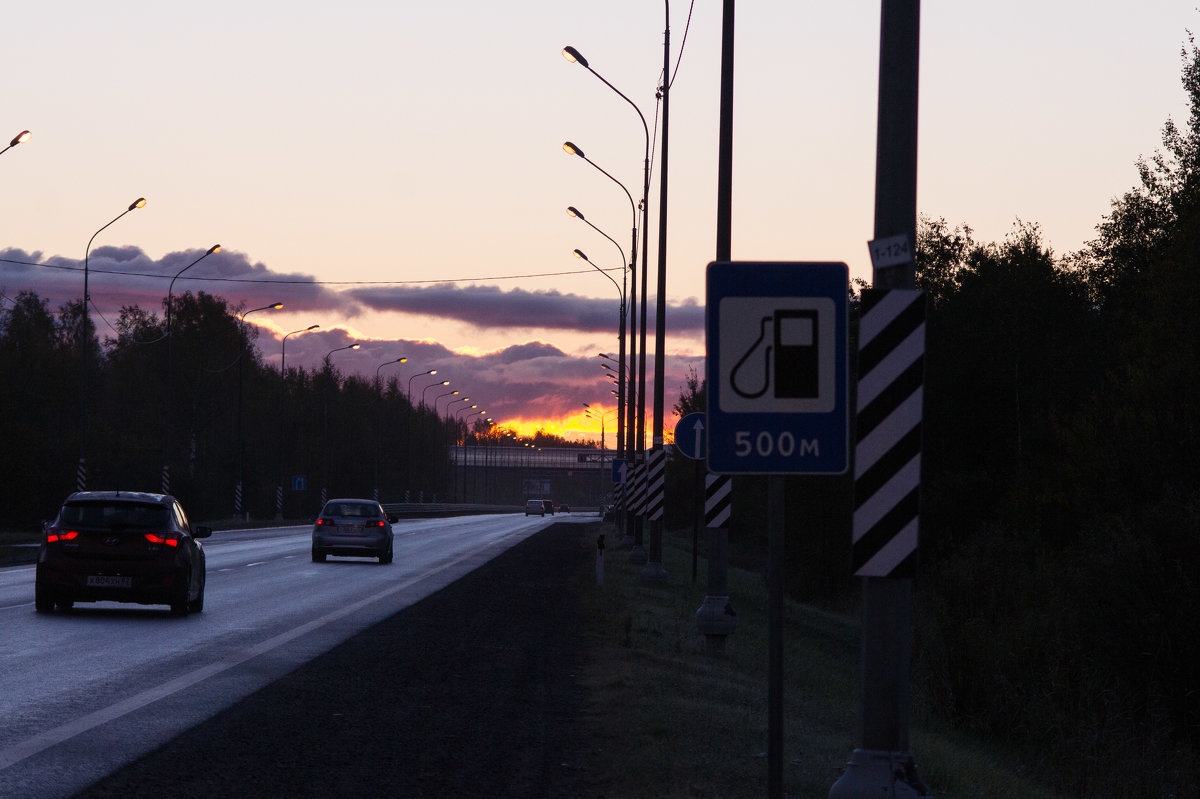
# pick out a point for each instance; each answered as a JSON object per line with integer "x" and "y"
{"x": 653, "y": 561}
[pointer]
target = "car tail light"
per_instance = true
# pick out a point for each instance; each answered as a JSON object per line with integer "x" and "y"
{"x": 374, "y": 523}
{"x": 324, "y": 522}
{"x": 170, "y": 539}
{"x": 69, "y": 535}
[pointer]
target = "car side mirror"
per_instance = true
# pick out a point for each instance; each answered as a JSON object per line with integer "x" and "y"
{"x": 199, "y": 531}
{"x": 393, "y": 519}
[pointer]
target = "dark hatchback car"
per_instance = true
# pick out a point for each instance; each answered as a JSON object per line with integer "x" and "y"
{"x": 352, "y": 527}
{"x": 121, "y": 546}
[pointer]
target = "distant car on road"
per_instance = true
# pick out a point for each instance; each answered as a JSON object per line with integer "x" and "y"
{"x": 121, "y": 546}
{"x": 533, "y": 506}
{"x": 564, "y": 508}
{"x": 352, "y": 527}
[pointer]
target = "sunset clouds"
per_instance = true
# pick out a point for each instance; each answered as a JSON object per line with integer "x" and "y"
{"x": 515, "y": 371}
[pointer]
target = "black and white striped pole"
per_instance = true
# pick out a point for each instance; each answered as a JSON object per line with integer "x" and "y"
{"x": 887, "y": 453}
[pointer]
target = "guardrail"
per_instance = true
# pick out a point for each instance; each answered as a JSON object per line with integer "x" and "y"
{"x": 420, "y": 510}
{"x": 425, "y": 510}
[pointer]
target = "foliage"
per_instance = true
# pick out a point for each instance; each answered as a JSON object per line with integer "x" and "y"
{"x": 1060, "y": 519}
{"x": 202, "y": 403}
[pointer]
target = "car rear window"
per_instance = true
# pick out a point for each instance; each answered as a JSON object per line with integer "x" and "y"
{"x": 114, "y": 515}
{"x": 357, "y": 509}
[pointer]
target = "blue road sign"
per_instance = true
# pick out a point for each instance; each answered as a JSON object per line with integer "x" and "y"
{"x": 689, "y": 436}
{"x": 618, "y": 470}
{"x": 299, "y": 482}
{"x": 777, "y": 368}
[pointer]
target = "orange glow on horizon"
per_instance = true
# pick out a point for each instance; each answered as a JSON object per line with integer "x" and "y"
{"x": 577, "y": 427}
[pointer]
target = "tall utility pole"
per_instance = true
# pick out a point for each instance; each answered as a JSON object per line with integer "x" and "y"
{"x": 715, "y": 618}
{"x": 653, "y": 569}
{"x": 882, "y": 766}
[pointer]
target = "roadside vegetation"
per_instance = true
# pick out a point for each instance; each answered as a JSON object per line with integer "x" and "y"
{"x": 1059, "y": 576}
{"x": 667, "y": 719}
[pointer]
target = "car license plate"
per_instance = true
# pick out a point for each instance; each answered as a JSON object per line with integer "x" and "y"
{"x": 350, "y": 529}
{"x": 109, "y": 581}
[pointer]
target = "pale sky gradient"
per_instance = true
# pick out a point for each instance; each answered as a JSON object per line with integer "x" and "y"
{"x": 401, "y": 146}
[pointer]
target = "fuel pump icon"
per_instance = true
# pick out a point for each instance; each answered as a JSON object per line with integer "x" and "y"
{"x": 790, "y": 365}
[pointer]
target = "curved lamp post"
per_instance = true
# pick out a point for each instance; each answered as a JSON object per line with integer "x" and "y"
{"x": 20, "y": 138}
{"x": 387, "y": 363}
{"x": 431, "y": 385}
{"x": 169, "y": 416}
{"x": 325, "y": 425}
{"x": 237, "y": 494}
{"x": 575, "y": 57}
{"x": 621, "y": 332}
{"x": 437, "y": 397}
{"x": 81, "y": 471}
{"x": 414, "y": 377}
{"x": 637, "y": 387}
{"x": 401, "y": 359}
{"x": 282, "y": 413}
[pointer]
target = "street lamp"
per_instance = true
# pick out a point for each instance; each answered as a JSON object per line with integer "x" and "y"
{"x": 431, "y": 385}
{"x": 325, "y": 425}
{"x": 575, "y": 57}
{"x": 621, "y": 340}
{"x": 637, "y": 387}
{"x": 81, "y": 470}
{"x": 654, "y": 568}
{"x": 283, "y": 413}
{"x": 437, "y": 397}
{"x": 387, "y": 363}
{"x": 401, "y": 359}
{"x": 446, "y": 410}
{"x": 414, "y": 377}
{"x": 169, "y": 416}
{"x": 237, "y": 494}
{"x": 20, "y": 138}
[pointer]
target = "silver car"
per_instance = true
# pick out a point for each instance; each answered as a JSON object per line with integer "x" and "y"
{"x": 352, "y": 527}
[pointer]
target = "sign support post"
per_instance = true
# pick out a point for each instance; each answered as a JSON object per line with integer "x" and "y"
{"x": 777, "y": 339}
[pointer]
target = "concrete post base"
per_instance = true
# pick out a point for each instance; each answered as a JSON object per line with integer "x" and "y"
{"x": 879, "y": 775}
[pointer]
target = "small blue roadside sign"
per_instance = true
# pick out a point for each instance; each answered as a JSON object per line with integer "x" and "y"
{"x": 777, "y": 368}
{"x": 618, "y": 470}
{"x": 689, "y": 436}
{"x": 299, "y": 482}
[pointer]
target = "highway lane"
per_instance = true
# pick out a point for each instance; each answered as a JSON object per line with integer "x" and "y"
{"x": 85, "y": 692}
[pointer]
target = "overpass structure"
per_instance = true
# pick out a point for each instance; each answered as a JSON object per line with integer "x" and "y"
{"x": 507, "y": 475}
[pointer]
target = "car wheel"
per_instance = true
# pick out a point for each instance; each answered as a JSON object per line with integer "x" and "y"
{"x": 43, "y": 598}
{"x": 318, "y": 556}
{"x": 197, "y": 604}
{"x": 386, "y": 557}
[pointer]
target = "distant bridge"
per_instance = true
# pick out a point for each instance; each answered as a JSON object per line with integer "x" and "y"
{"x": 509, "y": 475}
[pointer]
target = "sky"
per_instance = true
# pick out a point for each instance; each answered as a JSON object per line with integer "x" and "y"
{"x": 394, "y": 172}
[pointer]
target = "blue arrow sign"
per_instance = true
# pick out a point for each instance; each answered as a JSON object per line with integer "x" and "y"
{"x": 689, "y": 436}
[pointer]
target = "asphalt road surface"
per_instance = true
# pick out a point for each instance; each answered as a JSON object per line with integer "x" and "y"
{"x": 468, "y": 692}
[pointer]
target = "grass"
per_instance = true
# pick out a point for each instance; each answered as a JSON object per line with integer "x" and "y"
{"x": 667, "y": 719}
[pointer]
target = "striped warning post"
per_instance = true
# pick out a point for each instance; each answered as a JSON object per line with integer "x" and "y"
{"x": 657, "y": 484}
{"x": 81, "y": 475}
{"x": 887, "y": 456}
{"x": 718, "y": 499}
{"x": 166, "y": 479}
{"x": 237, "y": 499}
{"x": 639, "y": 489}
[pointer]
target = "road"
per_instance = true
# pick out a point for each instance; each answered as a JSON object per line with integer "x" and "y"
{"x": 85, "y": 692}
